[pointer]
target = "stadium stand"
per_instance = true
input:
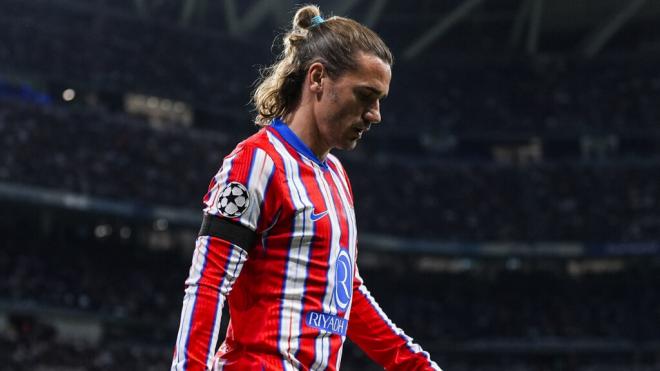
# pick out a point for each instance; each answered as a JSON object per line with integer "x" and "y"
{"x": 102, "y": 276}
{"x": 120, "y": 157}
{"x": 463, "y": 317}
{"x": 447, "y": 165}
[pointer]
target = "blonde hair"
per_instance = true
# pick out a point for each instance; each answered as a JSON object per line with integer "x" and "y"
{"x": 333, "y": 42}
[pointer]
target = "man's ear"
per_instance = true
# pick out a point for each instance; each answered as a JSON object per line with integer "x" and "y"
{"x": 315, "y": 75}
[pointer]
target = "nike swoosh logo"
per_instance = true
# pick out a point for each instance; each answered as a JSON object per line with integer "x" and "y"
{"x": 318, "y": 216}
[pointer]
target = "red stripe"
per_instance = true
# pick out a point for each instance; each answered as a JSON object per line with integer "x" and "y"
{"x": 210, "y": 190}
{"x": 206, "y": 302}
{"x": 335, "y": 341}
{"x": 255, "y": 295}
{"x": 240, "y": 167}
{"x": 339, "y": 170}
{"x": 317, "y": 280}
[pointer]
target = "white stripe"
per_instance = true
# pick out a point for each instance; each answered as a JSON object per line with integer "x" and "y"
{"x": 220, "y": 182}
{"x": 348, "y": 207}
{"x": 415, "y": 348}
{"x": 233, "y": 269}
{"x": 219, "y": 364}
{"x": 343, "y": 176}
{"x": 322, "y": 341}
{"x": 352, "y": 234}
{"x": 216, "y": 332}
{"x": 262, "y": 168}
{"x": 234, "y": 266}
{"x": 297, "y": 262}
{"x": 339, "y": 354}
{"x": 194, "y": 275}
{"x": 182, "y": 323}
{"x": 350, "y": 218}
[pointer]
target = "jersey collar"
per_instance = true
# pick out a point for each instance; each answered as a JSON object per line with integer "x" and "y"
{"x": 290, "y": 137}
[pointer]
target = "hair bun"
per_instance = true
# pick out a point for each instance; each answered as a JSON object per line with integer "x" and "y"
{"x": 304, "y": 15}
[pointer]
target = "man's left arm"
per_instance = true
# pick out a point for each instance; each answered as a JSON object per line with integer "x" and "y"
{"x": 371, "y": 329}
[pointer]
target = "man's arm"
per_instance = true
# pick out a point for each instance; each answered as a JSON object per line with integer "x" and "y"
{"x": 371, "y": 329}
{"x": 216, "y": 265}
{"x": 234, "y": 214}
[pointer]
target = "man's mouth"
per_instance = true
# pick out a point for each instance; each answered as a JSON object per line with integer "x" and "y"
{"x": 360, "y": 130}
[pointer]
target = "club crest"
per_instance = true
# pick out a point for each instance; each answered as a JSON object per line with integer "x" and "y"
{"x": 343, "y": 280}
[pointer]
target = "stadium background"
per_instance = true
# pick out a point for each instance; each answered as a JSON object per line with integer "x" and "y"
{"x": 508, "y": 204}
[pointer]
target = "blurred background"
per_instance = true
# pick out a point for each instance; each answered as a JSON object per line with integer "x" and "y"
{"x": 509, "y": 203}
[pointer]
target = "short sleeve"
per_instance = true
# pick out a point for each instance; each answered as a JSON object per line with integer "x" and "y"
{"x": 241, "y": 186}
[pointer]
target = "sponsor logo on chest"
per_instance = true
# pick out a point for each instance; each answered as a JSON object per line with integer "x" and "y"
{"x": 327, "y": 322}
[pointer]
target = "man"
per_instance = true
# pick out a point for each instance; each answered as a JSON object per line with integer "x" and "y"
{"x": 279, "y": 230}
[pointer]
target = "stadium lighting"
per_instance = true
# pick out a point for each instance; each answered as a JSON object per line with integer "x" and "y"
{"x": 68, "y": 95}
{"x": 125, "y": 232}
{"x": 102, "y": 230}
{"x": 161, "y": 225}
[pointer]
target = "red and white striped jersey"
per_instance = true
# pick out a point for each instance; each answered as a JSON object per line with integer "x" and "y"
{"x": 297, "y": 294}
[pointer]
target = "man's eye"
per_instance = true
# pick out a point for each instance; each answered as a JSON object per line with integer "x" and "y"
{"x": 365, "y": 97}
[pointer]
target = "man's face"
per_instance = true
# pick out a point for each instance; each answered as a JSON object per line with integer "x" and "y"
{"x": 351, "y": 103}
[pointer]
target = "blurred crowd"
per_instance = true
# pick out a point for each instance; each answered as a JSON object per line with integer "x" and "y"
{"x": 82, "y": 48}
{"x": 427, "y": 172}
{"x": 111, "y": 155}
{"x": 28, "y": 352}
{"x": 121, "y": 283}
{"x": 421, "y": 156}
{"x": 96, "y": 153}
{"x": 435, "y": 94}
{"x": 97, "y": 278}
{"x": 517, "y": 95}
{"x": 565, "y": 201}
{"x": 49, "y": 355}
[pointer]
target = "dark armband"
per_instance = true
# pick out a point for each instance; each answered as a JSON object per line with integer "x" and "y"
{"x": 228, "y": 230}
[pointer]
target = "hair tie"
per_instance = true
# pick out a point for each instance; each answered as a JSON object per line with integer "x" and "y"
{"x": 317, "y": 20}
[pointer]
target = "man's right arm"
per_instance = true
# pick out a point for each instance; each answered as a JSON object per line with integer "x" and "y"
{"x": 216, "y": 265}
{"x": 232, "y": 219}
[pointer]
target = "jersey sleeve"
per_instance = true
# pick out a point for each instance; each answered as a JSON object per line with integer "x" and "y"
{"x": 385, "y": 343}
{"x": 235, "y": 212}
{"x": 239, "y": 191}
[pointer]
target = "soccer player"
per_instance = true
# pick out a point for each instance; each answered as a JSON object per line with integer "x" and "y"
{"x": 278, "y": 239}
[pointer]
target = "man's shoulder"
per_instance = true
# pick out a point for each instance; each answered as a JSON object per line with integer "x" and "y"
{"x": 334, "y": 162}
{"x": 333, "y": 159}
{"x": 258, "y": 141}
{"x": 254, "y": 140}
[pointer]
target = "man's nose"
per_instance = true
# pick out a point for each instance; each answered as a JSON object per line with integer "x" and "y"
{"x": 372, "y": 115}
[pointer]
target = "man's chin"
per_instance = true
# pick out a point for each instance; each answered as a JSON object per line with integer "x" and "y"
{"x": 348, "y": 146}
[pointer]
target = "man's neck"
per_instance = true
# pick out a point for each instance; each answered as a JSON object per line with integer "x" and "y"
{"x": 307, "y": 131}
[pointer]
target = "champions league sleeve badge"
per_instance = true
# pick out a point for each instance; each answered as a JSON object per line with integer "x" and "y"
{"x": 234, "y": 200}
